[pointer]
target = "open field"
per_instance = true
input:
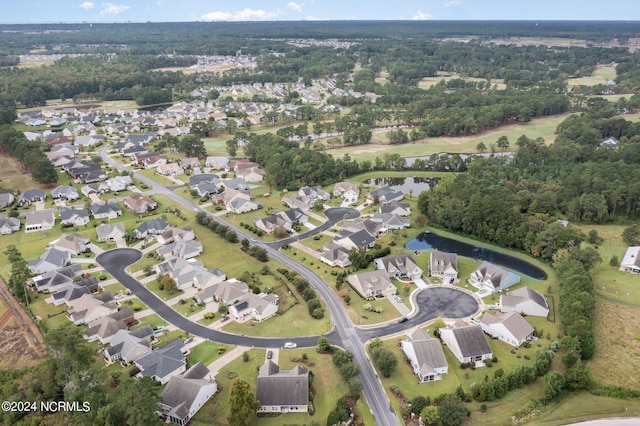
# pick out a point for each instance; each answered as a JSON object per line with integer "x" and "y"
{"x": 540, "y": 127}
{"x": 583, "y": 406}
{"x": 428, "y": 82}
{"x": 600, "y": 76}
{"x": 12, "y": 177}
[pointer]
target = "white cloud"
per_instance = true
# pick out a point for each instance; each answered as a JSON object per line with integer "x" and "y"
{"x": 110, "y": 9}
{"x": 87, "y": 5}
{"x": 452, "y": 3}
{"x": 243, "y": 15}
{"x": 294, "y": 6}
{"x": 421, "y": 16}
{"x": 314, "y": 18}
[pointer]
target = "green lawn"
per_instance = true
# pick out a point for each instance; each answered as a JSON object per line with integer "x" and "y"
{"x": 153, "y": 320}
{"x": 208, "y": 322}
{"x": 579, "y": 407}
{"x": 540, "y": 127}
{"x": 206, "y": 352}
{"x": 130, "y": 303}
{"x": 600, "y": 76}
{"x": 154, "y": 286}
{"x": 51, "y": 315}
{"x": 187, "y": 309}
{"x": 428, "y": 82}
{"x": 327, "y": 381}
{"x": 151, "y": 173}
{"x": 317, "y": 242}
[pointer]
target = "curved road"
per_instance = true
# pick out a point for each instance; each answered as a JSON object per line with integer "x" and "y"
{"x": 116, "y": 261}
{"x": 345, "y": 334}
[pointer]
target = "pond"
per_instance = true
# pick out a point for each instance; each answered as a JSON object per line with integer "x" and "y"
{"x": 430, "y": 241}
{"x": 405, "y": 184}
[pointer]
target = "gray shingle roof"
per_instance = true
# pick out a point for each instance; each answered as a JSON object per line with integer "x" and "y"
{"x": 277, "y": 387}
{"x": 471, "y": 340}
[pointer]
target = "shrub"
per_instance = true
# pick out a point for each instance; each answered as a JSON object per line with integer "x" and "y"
{"x": 137, "y": 307}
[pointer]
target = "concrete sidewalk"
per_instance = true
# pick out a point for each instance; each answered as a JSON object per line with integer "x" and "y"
{"x": 225, "y": 359}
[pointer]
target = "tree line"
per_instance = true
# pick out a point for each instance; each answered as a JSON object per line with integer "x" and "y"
{"x": 29, "y": 153}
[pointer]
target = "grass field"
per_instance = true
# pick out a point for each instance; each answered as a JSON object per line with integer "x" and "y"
{"x": 12, "y": 178}
{"x": 600, "y": 76}
{"x": 583, "y": 406}
{"x": 428, "y": 82}
{"x": 539, "y": 127}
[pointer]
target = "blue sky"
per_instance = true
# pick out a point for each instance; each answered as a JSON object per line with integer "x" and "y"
{"x": 41, "y": 11}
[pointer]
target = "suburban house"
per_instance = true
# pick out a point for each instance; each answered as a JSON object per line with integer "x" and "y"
{"x": 610, "y": 142}
{"x": 31, "y": 196}
{"x": 129, "y": 346}
{"x": 39, "y": 221}
{"x": 631, "y": 260}
{"x": 335, "y": 255}
{"x": 509, "y": 327}
{"x": 103, "y": 329}
{"x": 229, "y": 195}
{"x": 176, "y": 234}
{"x": 384, "y": 195}
{"x": 170, "y": 169}
{"x": 391, "y": 220}
{"x": 234, "y": 183}
{"x": 524, "y": 301}
{"x": 425, "y": 355}
{"x": 301, "y": 202}
{"x": 184, "y": 395}
{"x": 257, "y": 307}
{"x": 493, "y": 278}
{"x": 443, "y": 265}
{"x": 74, "y": 216}
{"x": 227, "y": 292}
{"x": 9, "y": 225}
{"x": 399, "y": 266}
{"x": 467, "y": 342}
{"x": 348, "y": 191}
{"x": 68, "y": 193}
{"x": 190, "y": 163}
{"x": 151, "y": 227}
{"x": 55, "y": 278}
{"x": 50, "y": 260}
{"x": 216, "y": 163}
{"x": 314, "y": 193}
{"x": 164, "y": 362}
{"x": 355, "y": 240}
{"x": 240, "y": 204}
{"x": 183, "y": 249}
{"x": 84, "y": 171}
{"x": 89, "y": 307}
{"x": 394, "y": 207}
{"x": 96, "y": 188}
{"x": 282, "y": 391}
{"x": 286, "y": 219}
{"x": 139, "y": 205}
{"x": 119, "y": 183}
{"x": 73, "y": 243}
{"x": 6, "y": 199}
{"x": 105, "y": 211}
{"x": 189, "y": 273}
{"x": 372, "y": 284}
{"x": 251, "y": 173}
{"x": 110, "y": 232}
{"x": 375, "y": 229}
{"x": 73, "y": 290}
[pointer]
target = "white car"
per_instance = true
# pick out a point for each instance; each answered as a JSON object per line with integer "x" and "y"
{"x": 118, "y": 296}
{"x": 290, "y": 345}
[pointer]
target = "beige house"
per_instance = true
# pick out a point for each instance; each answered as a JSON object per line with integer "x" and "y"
{"x": 372, "y": 284}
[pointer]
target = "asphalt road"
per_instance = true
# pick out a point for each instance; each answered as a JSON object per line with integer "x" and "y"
{"x": 116, "y": 261}
{"x": 432, "y": 302}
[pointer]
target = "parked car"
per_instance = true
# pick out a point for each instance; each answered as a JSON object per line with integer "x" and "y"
{"x": 398, "y": 299}
{"x": 290, "y": 345}
{"x": 403, "y": 319}
{"x": 269, "y": 354}
{"x": 224, "y": 318}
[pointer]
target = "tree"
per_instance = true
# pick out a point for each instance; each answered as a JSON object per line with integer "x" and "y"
{"x": 324, "y": 345}
{"x": 120, "y": 410}
{"x": 223, "y": 309}
{"x": 554, "y": 385}
{"x": 168, "y": 284}
{"x": 384, "y": 360}
{"x": 355, "y": 386}
{"x": 242, "y": 404}
{"x": 481, "y": 147}
{"x": 232, "y": 147}
{"x": 44, "y": 172}
{"x": 631, "y": 235}
{"x": 231, "y": 236}
{"x": 69, "y": 351}
{"x": 430, "y": 415}
{"x": 192, "y": 146}
{"x": 452, "y": 411}
{"x": 503, "y": 143}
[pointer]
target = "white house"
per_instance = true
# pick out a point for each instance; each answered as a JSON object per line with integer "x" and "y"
{"x": 372, "y": 284}
{"x": 282, "y": 391}
{"x": 493, "y": 278}
{"x": 509, "y": 327}
{"x": 467, "y": 342}
{"x": 257, "y": 307}
{"x": 631, "y": 260}
{"x": 524, "y": 301}
{"x": 426, "y": 356}
{"x": 399, "y": 266}
{"x": 444, "y": 265}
